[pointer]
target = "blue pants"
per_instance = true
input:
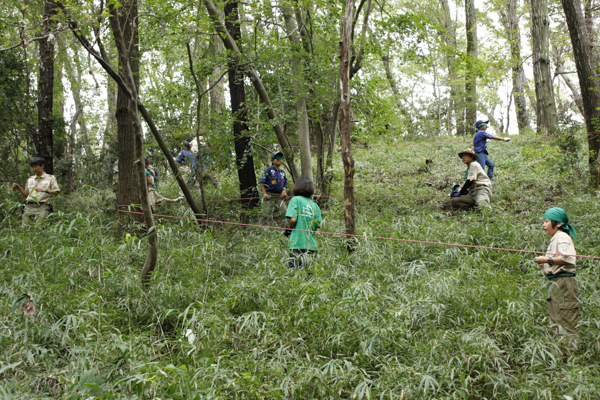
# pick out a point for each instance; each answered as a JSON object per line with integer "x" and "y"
{"x": 483, "y": 160}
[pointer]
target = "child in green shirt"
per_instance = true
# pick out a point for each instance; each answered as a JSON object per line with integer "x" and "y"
{"x": 304, "y": 216}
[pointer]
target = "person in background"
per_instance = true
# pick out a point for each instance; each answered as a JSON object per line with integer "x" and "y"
{"x": 480, "y": 141}
{"x": 559, "y": 267}
{"x": 189, "y": 163}
{"x": 477, "y": 189}
{"x": 38, "y": 190}
{"x": 273, "y": 184}
{"x": 304, "y": 217}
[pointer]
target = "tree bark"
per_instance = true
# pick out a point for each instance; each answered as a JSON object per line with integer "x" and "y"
{"x": 584, "y": 60}
{"x": 456, "y": 108}
{"x": 301, "y": 109}
{"x": 217, "y": 93}
{"x": 345, "y": 67}
{"x": 518, "y": 90}
{"x": 472, "y": 54}
{"x": 44, "y": 140}
{"x": 559, "y": 65}
{"x": 129, "y": 192}
{"x": 547, "y": 119}
{"x": 123, "y": 22}
{"x": 237, "y": 92}
{"x": 198, "y": 106}
{"x": 236, "y": 57}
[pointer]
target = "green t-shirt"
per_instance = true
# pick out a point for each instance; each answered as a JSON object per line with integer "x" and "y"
{"x": 309, "y": 217}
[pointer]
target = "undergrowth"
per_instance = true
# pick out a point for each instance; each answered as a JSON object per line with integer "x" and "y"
{"x": 223, "y": 319}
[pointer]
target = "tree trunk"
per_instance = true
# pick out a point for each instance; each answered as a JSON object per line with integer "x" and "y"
{"x": 456, "y": 108}
{"x": 584, "y": 60}
{"x": 217, "y": 93}
{"x": 198, "y": 122}
{"x": 547, "y": 119}
{"x": 129, "y": 191}
{"x": 237, "y": 92}
{"x": 44, "y": 140}
{"x": 74, "y": 71}
{"x": 345, "y": 43}
{"x": 124, "y": 24}
{"x": 328, "y": 172}
{"x": 236, "y": 57}
{"x": 518, "y": 90}
{"x": 558, "y": 63}
{"x": 297, "y": 71}
{"x": 472, "y": 54}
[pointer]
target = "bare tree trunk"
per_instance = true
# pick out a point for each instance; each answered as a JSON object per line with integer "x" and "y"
{"x": 301, "y": 110}
{"x": 44, "y": 140}
{"x": 129, "y": 192}
{"x": 518, "y": 90}
{"x": 75, "y": 80}
{"x": 584, "y": 60}
{"x": 456, "y": 106}
{"x": 559, "y": 64}
{"x": 547, "y": 119}
{"x": 237, "y": 91}
{"x": 472, "y": 54}
{"x": 123, "y": 22}
{"x": 198, "y": 106}
{"x": 217, "y": 93}
{"x": 333, "y": 128}
{"x": 257, "y": 82}
{"x": 345, "y": 66}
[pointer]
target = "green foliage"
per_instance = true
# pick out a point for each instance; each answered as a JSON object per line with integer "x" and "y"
{"x": 223, "y": 319}
{"x": 17, "y": 113}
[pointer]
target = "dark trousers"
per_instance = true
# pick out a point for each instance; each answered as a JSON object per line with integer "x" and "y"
{"x": 300, "y": 258}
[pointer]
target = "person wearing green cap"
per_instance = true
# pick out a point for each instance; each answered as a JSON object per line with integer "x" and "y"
{"x": 559, "y": 267}
{"x": 273, "y": 184}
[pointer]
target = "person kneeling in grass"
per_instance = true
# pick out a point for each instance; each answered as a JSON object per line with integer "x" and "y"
{"x": 559, "y": 268}
{"x": 477, "y": 190}
{"x": 304, "y": 215}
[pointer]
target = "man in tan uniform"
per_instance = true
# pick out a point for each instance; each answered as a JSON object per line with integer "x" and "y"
{"x": 559, "y": 268}
{"x": 37, "y": 191}
{"x": 477, "y": 190}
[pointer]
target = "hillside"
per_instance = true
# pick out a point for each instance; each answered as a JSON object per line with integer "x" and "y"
{"x": 223, "y": 319}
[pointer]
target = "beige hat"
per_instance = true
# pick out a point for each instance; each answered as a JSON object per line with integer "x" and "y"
{"x": 469, "y": 152}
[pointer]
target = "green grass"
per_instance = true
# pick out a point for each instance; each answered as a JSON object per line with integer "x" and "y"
{"x": 222, "y": 318}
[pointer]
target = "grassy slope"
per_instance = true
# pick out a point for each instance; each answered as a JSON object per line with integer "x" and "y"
{"x": 223, "y": 319}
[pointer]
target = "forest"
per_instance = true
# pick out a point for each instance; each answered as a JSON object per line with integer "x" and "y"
{"x": 168, "y": 282}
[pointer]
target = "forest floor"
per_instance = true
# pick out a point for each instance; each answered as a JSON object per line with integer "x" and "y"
{"x": 222, "y": 318}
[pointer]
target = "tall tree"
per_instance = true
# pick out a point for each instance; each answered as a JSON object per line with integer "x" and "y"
{"x": 546, "y": 117}
{"x": 588, "y": 79}
{"x": 518, "y": 73}
{"x": 298, "y": 76}
{"x": 472, "y": 54}
{"x": 129, "y": 191}
{"x": 456, "y": 102}
{"x": 346, "y": 33}
{"x": 44, "y": 140}
{"x": 237, "y": 93}
{"x": 123, "y": 22}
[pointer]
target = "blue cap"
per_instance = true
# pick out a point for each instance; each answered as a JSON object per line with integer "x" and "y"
{"x": 276, "y": 154}
{"x": 186, "y": 144}
{"x": 480, "y": 122}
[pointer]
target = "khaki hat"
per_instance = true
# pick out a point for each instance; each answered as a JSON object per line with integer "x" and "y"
{"x": 469, "y": 152}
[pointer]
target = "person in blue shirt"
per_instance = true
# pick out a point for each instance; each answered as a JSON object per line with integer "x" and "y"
{"x": 479, "y": 146}
{"x": 189, "y": 163}
{"x": 273, "y": 184}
